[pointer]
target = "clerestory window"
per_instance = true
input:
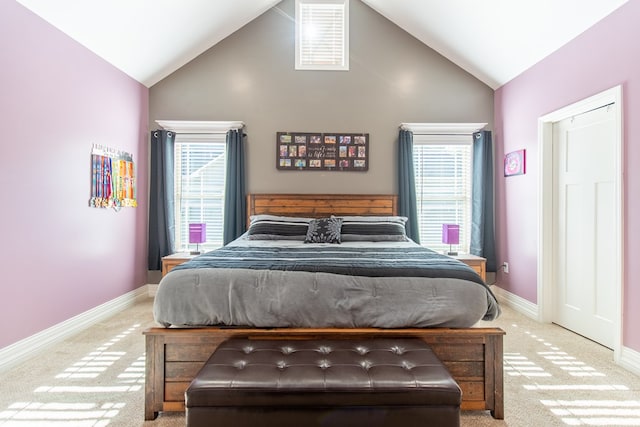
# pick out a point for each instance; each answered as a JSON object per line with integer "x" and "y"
{"x": 322, "y": 35}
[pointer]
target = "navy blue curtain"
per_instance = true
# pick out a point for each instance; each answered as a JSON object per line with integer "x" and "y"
{"x": 235, "y": 202}
{"x": 482, "y": 203}
{"x": 161, "y": 202}
{"x": 407, "y": 184}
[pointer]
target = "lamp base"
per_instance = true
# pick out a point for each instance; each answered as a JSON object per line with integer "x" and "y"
{"x": 195, "y": 253}
{"x": 452, "y": 253}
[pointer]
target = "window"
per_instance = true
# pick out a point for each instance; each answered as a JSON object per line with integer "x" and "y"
{"x": 322, "y": 34}
{"x": 442, "y": 166}
{"x": 199, "y": 183}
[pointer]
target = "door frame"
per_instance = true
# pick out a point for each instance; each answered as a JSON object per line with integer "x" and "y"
{"x": 545, "y": 267}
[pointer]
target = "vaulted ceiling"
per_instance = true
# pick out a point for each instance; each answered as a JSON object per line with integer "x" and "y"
{"x": 494, "y": 40}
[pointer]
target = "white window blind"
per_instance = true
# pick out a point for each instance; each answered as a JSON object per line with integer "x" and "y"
{"x": 322, "y": 34}
{"x": 199, "y": 182}
{"x": 442, "y": 166}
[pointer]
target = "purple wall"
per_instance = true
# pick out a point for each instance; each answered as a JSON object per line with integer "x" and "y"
{"x": 59, "y": 257}
{"x": 604, "y": 56}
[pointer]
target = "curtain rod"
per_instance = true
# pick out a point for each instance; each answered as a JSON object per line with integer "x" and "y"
{"x": 202, "y": 127}
{"x": 442, "y": 128}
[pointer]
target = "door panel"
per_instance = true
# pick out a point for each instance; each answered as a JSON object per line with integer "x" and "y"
{"x": 584, "y": 208}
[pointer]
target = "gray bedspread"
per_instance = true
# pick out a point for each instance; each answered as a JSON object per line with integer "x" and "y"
{"x": 290, "y": 284}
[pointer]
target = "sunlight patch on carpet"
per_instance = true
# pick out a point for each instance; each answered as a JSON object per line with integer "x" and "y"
{"x": 81, "y": 396}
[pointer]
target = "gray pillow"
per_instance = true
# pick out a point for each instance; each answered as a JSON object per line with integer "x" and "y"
{"x": 270, "y": 227}
{"x": 374, "y": 229}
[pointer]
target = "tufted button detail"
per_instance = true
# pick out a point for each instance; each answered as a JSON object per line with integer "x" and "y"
{"x": 286, "y": 350}
{"x": 398, "y": 350}
{"x": 324, "y": 364}
{"x": 323, "y": 349}
{"x": 362, "y": 350}
{"x": 366, "y": 364}
{"x": 247, "y": 349}
{"x": 408, "y": 365}
{"x": 240, "y": 364}
{"x": 281, "y": 364}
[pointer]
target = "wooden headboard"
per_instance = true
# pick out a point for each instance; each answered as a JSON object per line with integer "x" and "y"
{"x": 321, "y": 205}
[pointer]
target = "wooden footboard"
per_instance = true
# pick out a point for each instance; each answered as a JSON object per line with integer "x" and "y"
{"x": 472, "y": 355}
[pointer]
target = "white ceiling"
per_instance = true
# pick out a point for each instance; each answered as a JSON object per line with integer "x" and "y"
{"x": 495, "y": 40}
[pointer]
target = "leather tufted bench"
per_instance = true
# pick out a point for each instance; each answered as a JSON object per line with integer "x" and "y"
{"x": 369, "y": 382}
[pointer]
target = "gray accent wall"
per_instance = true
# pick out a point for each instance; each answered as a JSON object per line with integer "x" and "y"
{"x": 250, "y": 76}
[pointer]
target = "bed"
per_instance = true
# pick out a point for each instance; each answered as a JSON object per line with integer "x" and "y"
{"x": 195, "y": 321}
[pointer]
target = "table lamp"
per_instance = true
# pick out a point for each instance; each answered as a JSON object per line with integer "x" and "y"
{"x": 451, "y": 235}
{"x": 197, "y": 235}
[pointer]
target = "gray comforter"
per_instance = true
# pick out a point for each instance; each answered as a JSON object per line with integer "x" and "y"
{"x": 292, "y": 284}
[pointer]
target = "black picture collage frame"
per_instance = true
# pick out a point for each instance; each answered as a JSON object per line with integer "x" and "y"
{"x": 322, "y": 151}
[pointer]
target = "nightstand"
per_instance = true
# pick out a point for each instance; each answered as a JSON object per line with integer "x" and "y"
{"x": 478, "y": 263}
{"x": 170, "y": 261}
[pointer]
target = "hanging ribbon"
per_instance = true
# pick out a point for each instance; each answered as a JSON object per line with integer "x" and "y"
{"x": 112, "y": 178}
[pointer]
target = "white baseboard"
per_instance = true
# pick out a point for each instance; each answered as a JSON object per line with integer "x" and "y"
{"x": 519, "y": 304}
{"x": 26, "y": 348}
{"x": 630, "y": 360}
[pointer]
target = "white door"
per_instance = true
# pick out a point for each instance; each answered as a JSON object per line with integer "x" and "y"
{"x": 584, "y": 206}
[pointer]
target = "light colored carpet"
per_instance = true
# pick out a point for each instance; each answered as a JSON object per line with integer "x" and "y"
{"x": 96, "y": 378}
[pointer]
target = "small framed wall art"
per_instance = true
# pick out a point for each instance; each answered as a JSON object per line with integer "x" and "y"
{"x": 515, "y": 163}
{"x": 322, "y": 151}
